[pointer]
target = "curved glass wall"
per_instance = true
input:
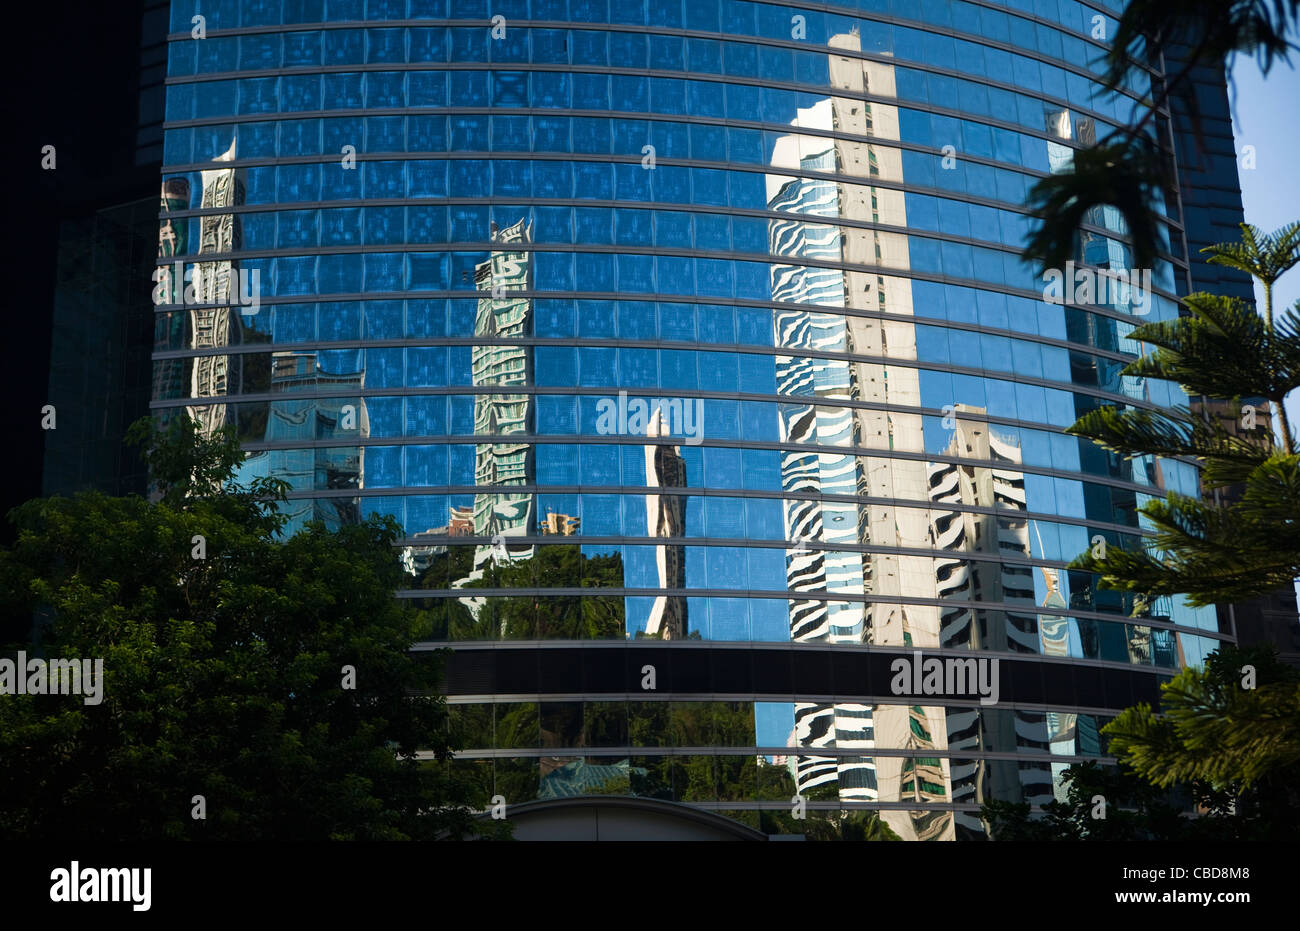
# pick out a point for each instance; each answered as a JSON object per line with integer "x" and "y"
{"x": 715, "y": 306}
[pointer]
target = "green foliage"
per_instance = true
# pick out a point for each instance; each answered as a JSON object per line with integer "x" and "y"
{"x": 590, "y": 617}
{"x": 1266, "y": 257}
{"x": 187, "y": 465}
{"x": 1242, "y": 539}
{"x": 1212, "y": 552}
{"x": 1224, "y": 349}
{"x": 849, "y": 826}
{"x": 223, "y": 675}
{"x": 1232, "y": 752}
{"x": 1134, "y": 810}
{"x": 1213, "y": 730}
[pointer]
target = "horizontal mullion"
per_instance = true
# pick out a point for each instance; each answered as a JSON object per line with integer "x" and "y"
{"x": 607, "y": 249}
{"x": 677, "y": 32}
{"x": 1104, "y": 121}
{"x": 443, "y": 594}
{"x": 708, "y": 210}
{"x": 748, "y": 493}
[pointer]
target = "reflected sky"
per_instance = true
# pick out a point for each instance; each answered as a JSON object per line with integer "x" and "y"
{"x": 787, "y": 264}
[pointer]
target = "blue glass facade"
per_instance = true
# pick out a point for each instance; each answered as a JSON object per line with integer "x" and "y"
{"x": 714, "y": 306}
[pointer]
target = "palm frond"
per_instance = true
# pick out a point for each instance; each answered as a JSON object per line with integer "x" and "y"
{"x": 1263, "y": 256}
{"x": 1227, "y": 457}
{"x": 1224, "y": 349}
{"x": 1120, "y": 174}
{"x": 1211, "y": 29}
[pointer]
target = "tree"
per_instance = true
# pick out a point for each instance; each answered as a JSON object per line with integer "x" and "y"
{"x": 850, "y": 826}
{"x": 1127, "y": 168}
{"x": 591, "y": 617}
{"x": 1233, "y": 749}
{"x": 1231, "y": 730}
{"x": 1243, "y": 538}
{"x": 1231, "y": 752}
{"x": 270, "y": 677}
{"x": 1133, "y": 810}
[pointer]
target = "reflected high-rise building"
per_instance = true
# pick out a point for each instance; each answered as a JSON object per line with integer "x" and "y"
{"x": 503, "y": 313}
{"x": 214, "y": 283}
{"x": 418, "y": 558}
{"x": 997, "y": 533}
{"x": 666, "y": 517}
{"x": 1068, "y": 733}
{"x": 985, "y": 522}
{"x": 169, "y": 329}
{"x": 305, "y": 418}
{"x": 817, "y": 566}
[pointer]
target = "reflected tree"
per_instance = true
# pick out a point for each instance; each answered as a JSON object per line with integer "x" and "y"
{"x": 856, "y": 825}
{"x": 527, "y": 617}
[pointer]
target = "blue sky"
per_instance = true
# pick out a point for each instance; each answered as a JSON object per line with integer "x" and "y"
{"x": 1264, "y": 116}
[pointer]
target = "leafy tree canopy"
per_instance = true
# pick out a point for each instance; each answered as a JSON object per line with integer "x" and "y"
{"x": 226, "y": 658}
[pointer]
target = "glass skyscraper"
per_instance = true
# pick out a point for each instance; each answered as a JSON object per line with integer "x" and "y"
{"x": 691, "y": 346}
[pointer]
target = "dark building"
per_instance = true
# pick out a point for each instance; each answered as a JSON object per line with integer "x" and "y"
{"x": 82, "y": 162}
{"x": 101, "y": 344}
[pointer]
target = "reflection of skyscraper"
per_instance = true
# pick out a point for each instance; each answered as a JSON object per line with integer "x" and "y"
{"x": 968, "y": 531}
{"x": 666, "y": 517}
{"x": 811, "y": 523}
{"x": 816, "y": 526}
{"x": 302, "y": 421}
{"x": 169, "y": 328}
{"x": 556, "y": 524}
{"x": 495, "y": 464}
{"x": 918, "y": 778}
{"x": 502, "y": 312}
{"x": 1059, "y": 157}
{"x": 961, "y": 578}
{"x": 1053, "y": 629}
{"x": 214, "y": 283}
{"x": 1094, "y": 249}
{"x": 1063, "y": 730}
{"x": 419, "y": 557}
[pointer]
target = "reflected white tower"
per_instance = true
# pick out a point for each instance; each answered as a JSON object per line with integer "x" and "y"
{"x": 818, "y": 527}
{"x": 213, "y": 282}
{"x": 666, "y": 517}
